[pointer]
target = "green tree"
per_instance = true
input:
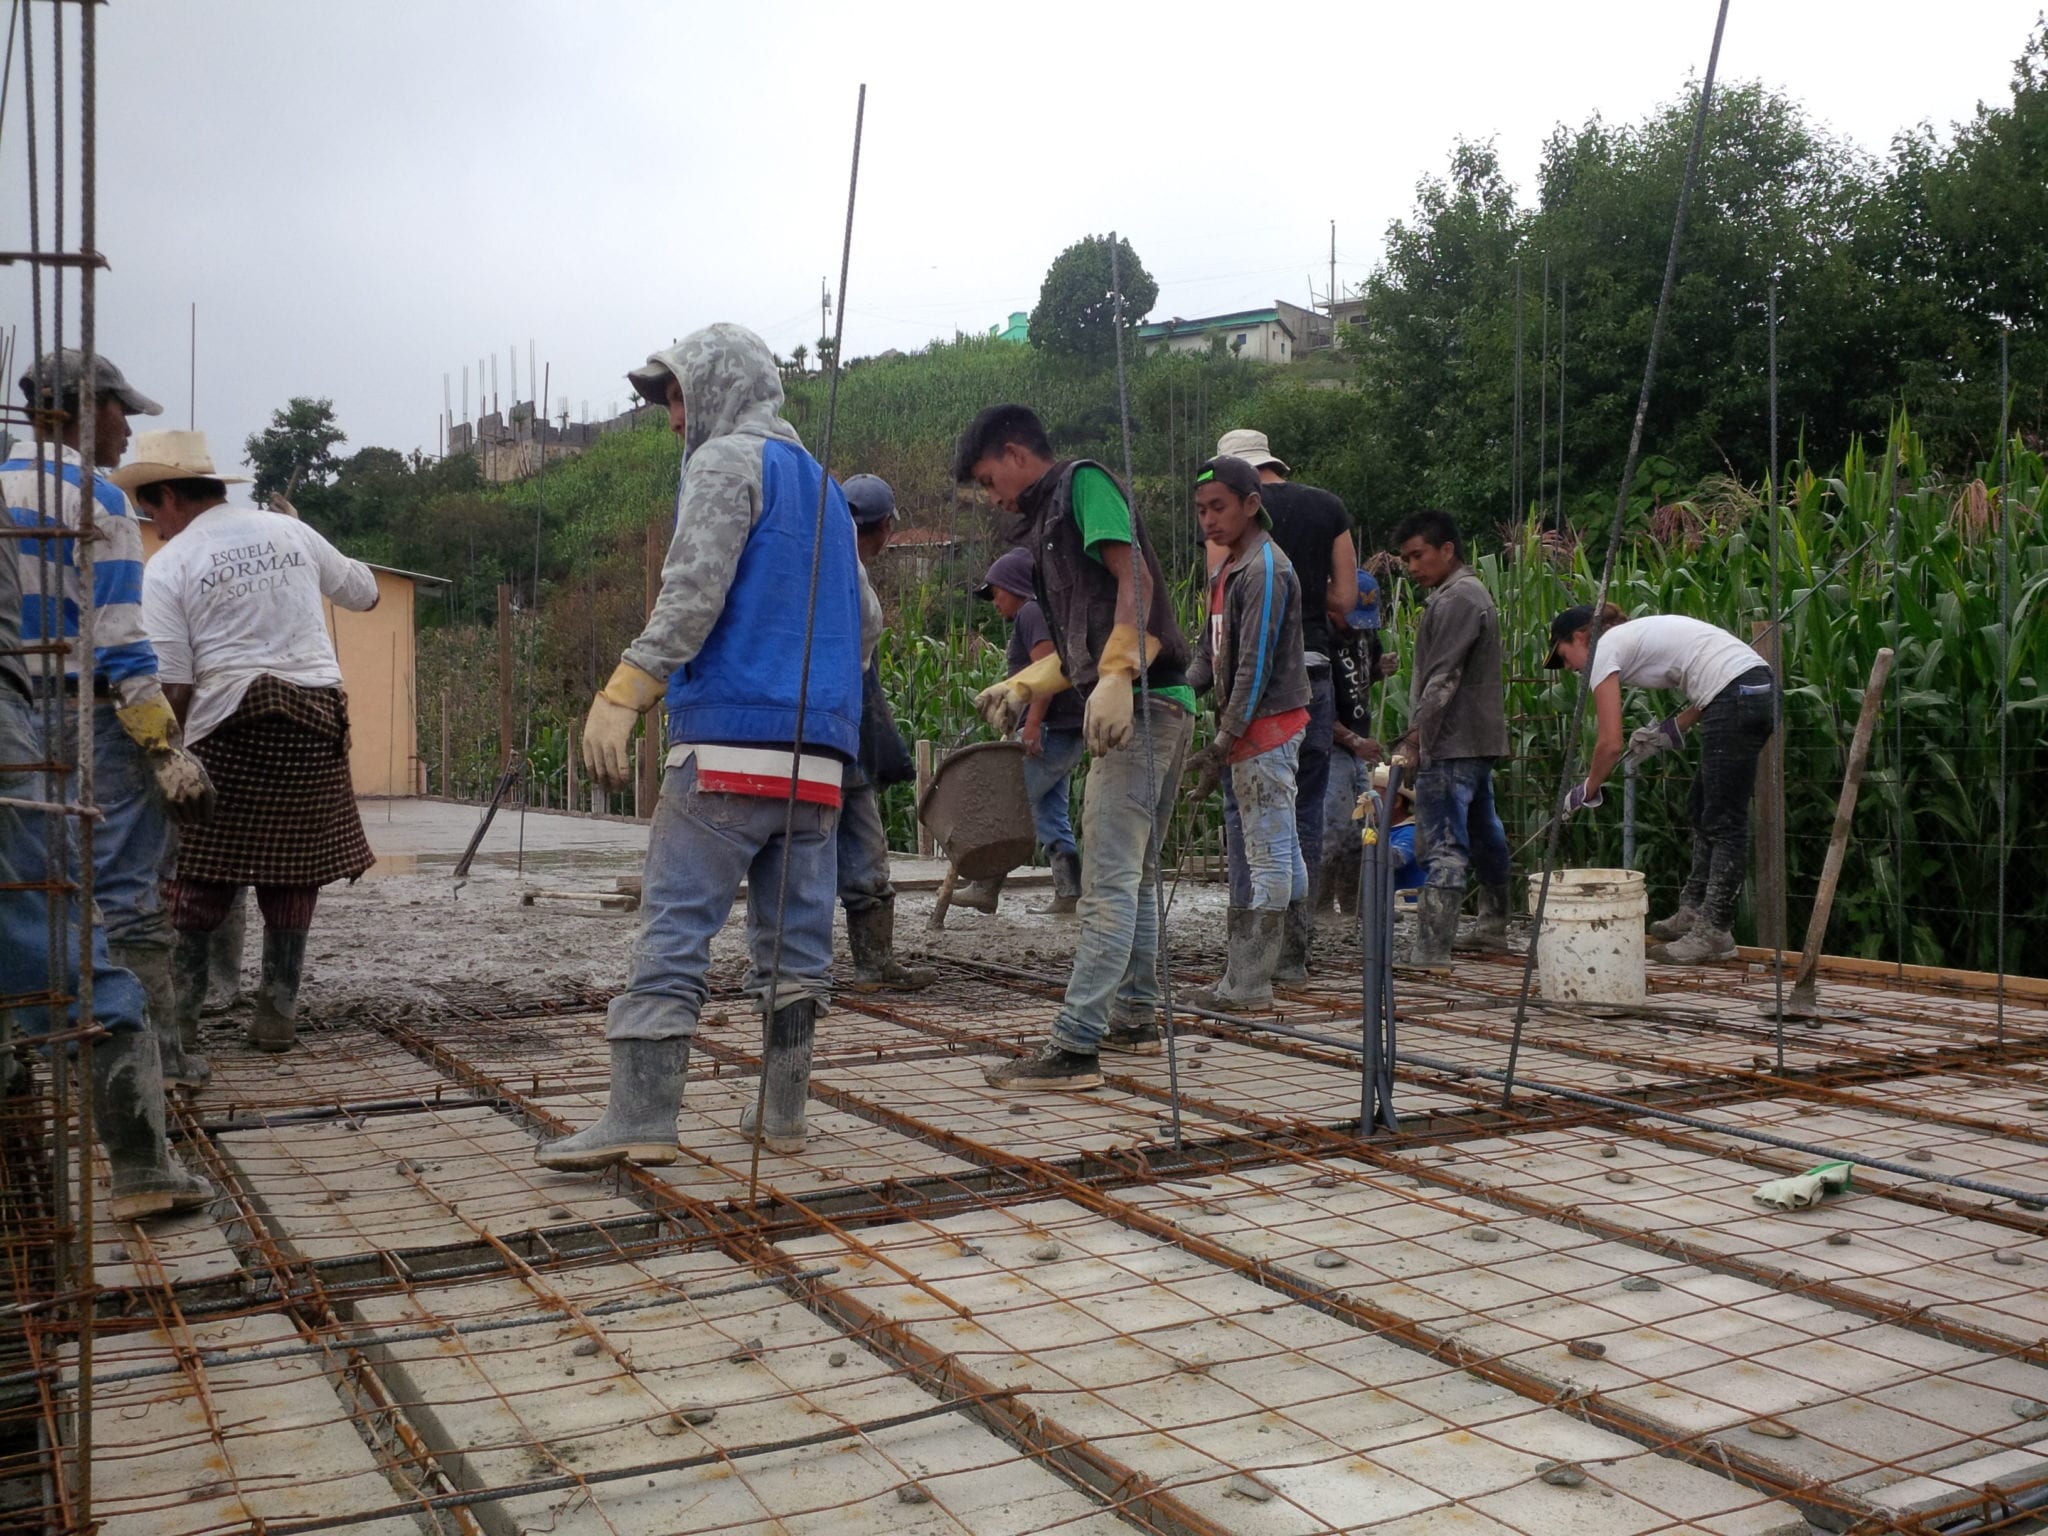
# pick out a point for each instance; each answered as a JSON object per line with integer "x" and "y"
{"x": 1074, "y": 317}
{"x": 297, "y": 448}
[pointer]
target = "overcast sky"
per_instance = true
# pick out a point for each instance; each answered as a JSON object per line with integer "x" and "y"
{"x": 362, "y": 197}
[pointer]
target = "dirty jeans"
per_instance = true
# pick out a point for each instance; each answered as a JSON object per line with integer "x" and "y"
{"x": 863, "y": 847}
{"x": 1733, "y": 730}
{"x": 1048, "y": 783}
{"x": 1311, "y": 777}
{"x": 1123, "y": 821}
{"x": 1275, "y": 875}
{"x": 1349, "y": 778}
{"x": 702, "y": 846}
{"x": 131, "y": 840}
{"x": 1459, "y": 828}
{"x": 25, "y": 915}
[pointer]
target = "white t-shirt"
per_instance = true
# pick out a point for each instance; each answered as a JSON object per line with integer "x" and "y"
{"x": 237, "y": 594}
{"x": 1671, "y": 651}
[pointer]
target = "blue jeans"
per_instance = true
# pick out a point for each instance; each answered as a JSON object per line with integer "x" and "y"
{"x": 1311, "y": 778}
{"x": 1123, "y": 821}
{"x": 132, "y": 840}
{"x": 1459, "y": 828}
{"x": 25, "y": 915}
{"x": 1349, "y": 778}
{"x": 702, "y": 846}
{"x": 863, "y": 848}
{"x": 1048, "y": 781}
{"x": 1274, "y": 871}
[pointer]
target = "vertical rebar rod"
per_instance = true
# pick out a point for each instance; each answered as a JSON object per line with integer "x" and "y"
{"x": 1141, "y": 601}
{"x": 1563, "y": 303}
{"x": 1520, "y": 508}
{"x": 1569, "y": 754}
{"x": 1777, "y": 748}
{"x": 2004, "y": 653}
{"x": 1543, "y": 390}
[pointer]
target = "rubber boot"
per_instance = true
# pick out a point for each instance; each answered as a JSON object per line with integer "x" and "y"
{"x": 275, "y": 1024}
{"x": 1212, "y": 995}
{"x": 128, "y": 1085}
{"x": 1297, "y": 943}
{"x": 1489, "y": 930}
{"x": 786, "y": 1066}
{"x": 639, "y": 1120}
{"x": 151, "y": 965}
{"x": 1247, "y": 983}
{"x": 1066, "y": 886}
{"x": 982, "y": 895}
{"x": 190, "y": 982}
{"x": 871, "y": 935}
{"x": 224, "y": 957}
{"x": 1436, "y": 926}
{"x": 1676, "y": 926}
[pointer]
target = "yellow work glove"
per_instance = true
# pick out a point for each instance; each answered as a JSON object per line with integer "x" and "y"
{"x": 182, "y": 779}
{"x": 608, "y": 729}
{"x": 1005, "y": 704}
{"x": 1106, "y": 723}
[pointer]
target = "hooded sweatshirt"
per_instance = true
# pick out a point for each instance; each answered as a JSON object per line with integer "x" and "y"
{"x": 728, "y": 629}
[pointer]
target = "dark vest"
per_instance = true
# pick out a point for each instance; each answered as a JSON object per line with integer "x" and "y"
{"x": 1078, "y": 592}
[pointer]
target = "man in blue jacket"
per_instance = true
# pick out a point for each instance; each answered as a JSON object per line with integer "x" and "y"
{"x": 725, "y": 646}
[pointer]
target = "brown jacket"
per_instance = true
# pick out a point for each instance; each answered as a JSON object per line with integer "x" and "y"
{"x": 1458, "y": 698}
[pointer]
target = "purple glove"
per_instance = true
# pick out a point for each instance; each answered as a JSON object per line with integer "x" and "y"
{"x": 1576, "y": 798}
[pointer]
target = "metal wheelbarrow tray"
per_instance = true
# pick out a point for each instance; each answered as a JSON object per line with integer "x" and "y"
{"x": 977, "y": 811}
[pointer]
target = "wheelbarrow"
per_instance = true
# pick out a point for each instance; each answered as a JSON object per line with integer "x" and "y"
{"x": 976, "y": 809}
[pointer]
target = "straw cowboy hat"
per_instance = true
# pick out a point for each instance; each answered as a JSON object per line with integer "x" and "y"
{"x": 170, "y": 456}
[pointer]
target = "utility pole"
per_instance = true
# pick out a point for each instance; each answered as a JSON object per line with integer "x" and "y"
{"x": 824, "y": 311}
{"x": 1333, "y": 278}
{"x": 192, "y": 377}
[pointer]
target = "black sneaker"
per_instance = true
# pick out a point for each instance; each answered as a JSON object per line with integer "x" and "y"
{"x": 1049, "y": 1068}
{"x": 1133, "y": 1040}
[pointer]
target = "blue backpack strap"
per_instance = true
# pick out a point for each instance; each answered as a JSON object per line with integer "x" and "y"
{"x": 1265, "y": 625}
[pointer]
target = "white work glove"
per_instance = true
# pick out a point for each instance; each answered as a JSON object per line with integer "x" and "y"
{"x": 1106, "y": 723}
{"x": 1645, "y": 742}
{"x": 608, "y": 728}
{"x": 1800, "y": 1190}
{"x": 1003, "y": 705}
{"x": 185, "y": 784}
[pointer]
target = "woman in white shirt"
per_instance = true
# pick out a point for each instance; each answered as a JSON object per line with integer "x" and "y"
{"x": 1730, "y": 692}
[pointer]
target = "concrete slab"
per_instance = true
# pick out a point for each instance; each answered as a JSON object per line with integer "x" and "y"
{"x": 1195, "y": 1376}
{"x": 348, "y": 1065}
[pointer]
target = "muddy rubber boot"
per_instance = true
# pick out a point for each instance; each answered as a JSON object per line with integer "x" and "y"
{"x": 871, "y": 935}
{"x": 151, "y": 965}
{"x": 1212, "y": 995}
{"x": 786, "y": 1065}
{"x": 1700, "y": 944}
{"x": 982, "y": 895}
{"x": 224, "y": 957}
{"x": 1489, "y": 931}
{"x": 1066, "y": 887}
{"x": 275, "y": 1025}
{"x": 128, "y": 1084}
{"x": 1436, "y": 927}
{"x": 190, "y": 984}
{"x": 639, "y": 1120}
{"x": 1247, "y": 983}
{"x": 1676, "y": 926}
{"x": 1297, "y": 943}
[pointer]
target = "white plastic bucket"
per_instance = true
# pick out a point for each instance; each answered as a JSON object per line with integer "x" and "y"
{"x": 1591, "y": 946}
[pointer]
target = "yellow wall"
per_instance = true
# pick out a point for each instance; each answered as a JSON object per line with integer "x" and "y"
{"x": 376, "y": 654}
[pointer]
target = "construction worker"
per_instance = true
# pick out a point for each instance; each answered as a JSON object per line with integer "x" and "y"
{"x": 1457, "y": 727}
{"x": 127, "y": 1066}
{"x": 143, "y": 776}
{"x": 1313, "y": 530}
{"x": 1051, "y": 734}
{"x": 1357, "y": 667}
{"x": 1251, "y": 656}
{"x": 235, "y": 603}
{"x": 730, "y": 651}
{"x": 1732, "y": 695}
{"x": 864, "y": 888}
{"x": 1101, "y": 590}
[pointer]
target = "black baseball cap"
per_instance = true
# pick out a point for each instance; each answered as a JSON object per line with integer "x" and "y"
{"x": 1235, "y": 475}
{"x": 1563, "y": 627}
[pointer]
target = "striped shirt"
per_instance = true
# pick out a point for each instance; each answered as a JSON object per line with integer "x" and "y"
{"x": 121, "y": 648}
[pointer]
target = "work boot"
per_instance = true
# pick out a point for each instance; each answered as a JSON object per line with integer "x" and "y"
{"x": 1489, "y": 931}
{"x": 1247, "y": 981}
{"x": 1206, "y": 997}
{"x": 1047, "y": 1068}
{"x": 1297, "y": 943}
{"x": 275, "y": 1026}
{"x": 128, "y": 1085}
{"x": 189, "y": 983}
{"x": 1066, "y": 886}
{"x": 1698, "y": 945}
{"x": 786, "y": 1069}
{"x": 1436, "y": 927}
{"x": 639, "y": 1120}
{"x": 982, "y": 895}
{"x": 224, "y": 957}
{"x": 1133, "y": 1031}
{"x": 871, "y": 935}
{"x": 1676, "y": 926}
{"x": 151, "y": 965}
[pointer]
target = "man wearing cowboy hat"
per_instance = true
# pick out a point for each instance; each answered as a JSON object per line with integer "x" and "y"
{"x": 233, "y": 604}
{"x": 141, "y": 768}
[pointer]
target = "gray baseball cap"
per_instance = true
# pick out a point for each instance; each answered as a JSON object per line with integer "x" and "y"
{"x": 61, "y": 373}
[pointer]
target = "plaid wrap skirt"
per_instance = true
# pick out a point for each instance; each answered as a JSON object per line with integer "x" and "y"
{"x": 286, "y": 811}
